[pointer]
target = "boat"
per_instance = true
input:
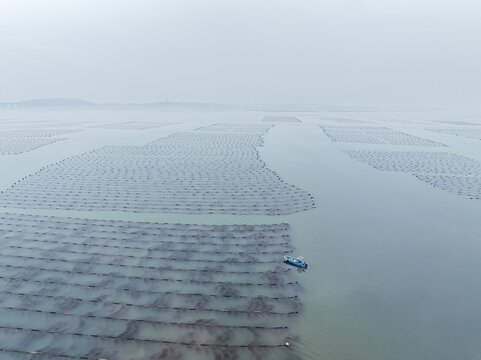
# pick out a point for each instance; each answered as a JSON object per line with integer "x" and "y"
{"x": 296, "y": 261}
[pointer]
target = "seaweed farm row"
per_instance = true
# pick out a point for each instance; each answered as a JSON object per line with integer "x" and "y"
{"x": 343, "y": 121}
{"x": 469, "y": 133}
{"x": 90, "y": 289}
{"x": 253, "y": 129}
{"x": 134, "y": 125}
{"x": 374, "y": 135}
{"x": 13, "y": 142}
{"x": 280, "y": 119}
{"x": 447, "y": 171}
{"x": 216, "y": 169}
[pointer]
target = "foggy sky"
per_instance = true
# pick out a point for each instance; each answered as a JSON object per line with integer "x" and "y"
{"x": 351, "y": 52}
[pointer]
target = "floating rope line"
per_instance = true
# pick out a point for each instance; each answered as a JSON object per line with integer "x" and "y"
{"x": 142, "y": 277}
{"x": 150, "y": 306}
{"x": 154, "y": 292}
{"x": 92, "y": 262}
{"x": 41, "y": 353}
{"x": 126, "y": 224}
{"x": 153, "y": 322}
{"x": 229, "y": 261}
{"x": 183, "y": 251}
{"x": 284, "y": 244}
{"x": 110, "y": 337}
{"x": 152, "y": 241}
{"x": 162, "y": 233}
{"x": 119, "y": 224}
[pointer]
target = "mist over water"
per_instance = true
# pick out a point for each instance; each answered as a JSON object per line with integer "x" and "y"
{"x": 351, "y": 53}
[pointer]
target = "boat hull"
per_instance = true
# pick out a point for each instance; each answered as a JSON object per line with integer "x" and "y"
{"x": 295, "y": 262}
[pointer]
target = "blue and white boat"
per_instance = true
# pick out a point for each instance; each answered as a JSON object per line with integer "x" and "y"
{"x": 296, "y": 261}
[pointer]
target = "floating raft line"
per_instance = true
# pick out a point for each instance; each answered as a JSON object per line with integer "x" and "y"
{"x": 179, "y": 250}
{"x": 90, "y": 262}
{"x": 147, "y": 306}
{"x": 153, "y": 238}
{"x": 147, "y": 291}
{"x": 109, "y": 246}
{"x": 46, "y": 353}
{"x": 111, "y": 337}
{"x": 230, "y": 261}
{"x": 158, "y": 237}
{"x": 140, "y": 277}
{"x": 101, "y": 223}
{"x": 153, "y": 322}
{"x": 224, "y": 261}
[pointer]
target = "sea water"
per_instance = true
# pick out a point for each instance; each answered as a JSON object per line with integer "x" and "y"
{"x": 394, "y": 261}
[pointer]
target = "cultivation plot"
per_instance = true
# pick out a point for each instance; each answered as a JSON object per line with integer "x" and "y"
{"x": 447, "y": 171}
{"x": 90, "y": 289}
{"x": 135, "y": 125}
{"x": 469, "y": 133}
{"x": 37, "y": 124}
{"x": 348, "y": 134}
{"x": 374, "y": 135}
{"x": 18, "y": 145}
{"x": 254, "y": 129}
{"x": 469, "y": 186}
{"x": 344, "y": 121}
{"x": 213, "y": 170}
{"x": 457, "y": 123}
{"x": 13, "y": 142}
{"x": 7, "y": 134}
{"x": 280, "y": 119}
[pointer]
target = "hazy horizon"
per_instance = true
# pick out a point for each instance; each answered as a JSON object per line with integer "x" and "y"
{"x": 363, "y": 53}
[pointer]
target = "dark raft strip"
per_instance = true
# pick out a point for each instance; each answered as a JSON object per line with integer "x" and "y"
{"x": 82, "y": 289}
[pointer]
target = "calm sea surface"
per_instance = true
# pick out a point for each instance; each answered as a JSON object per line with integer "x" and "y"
{"x": 395, "y": 270}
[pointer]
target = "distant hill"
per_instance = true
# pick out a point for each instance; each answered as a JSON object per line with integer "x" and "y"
{"x": 65, "y": 102}
{"x": 165, "y": 105}
{"x": 54, "y": 102}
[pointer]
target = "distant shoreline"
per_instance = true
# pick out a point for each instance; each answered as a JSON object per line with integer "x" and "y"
{"x": 55, "y": 103}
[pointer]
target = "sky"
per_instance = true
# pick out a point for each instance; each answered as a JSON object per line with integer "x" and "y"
{"x": 336, "y": 52}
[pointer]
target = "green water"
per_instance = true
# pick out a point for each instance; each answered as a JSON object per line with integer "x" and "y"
{"x": 394, "y": 263}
